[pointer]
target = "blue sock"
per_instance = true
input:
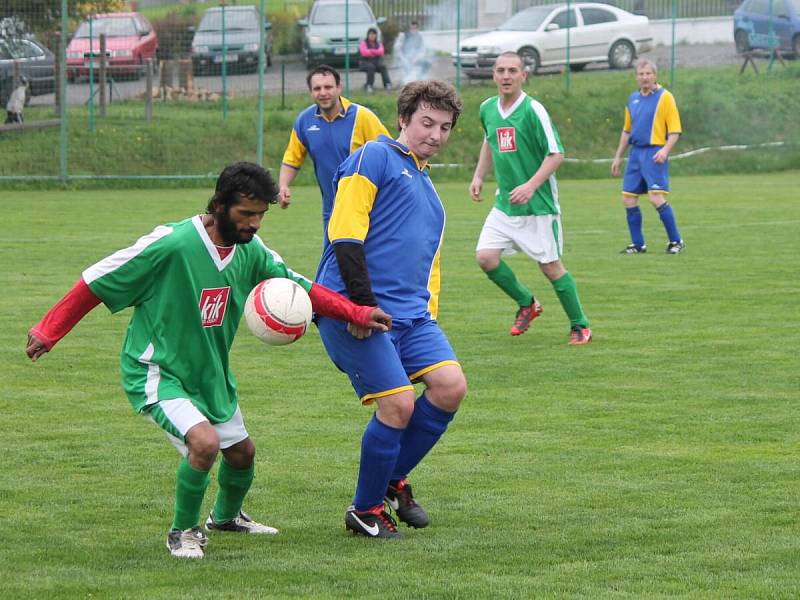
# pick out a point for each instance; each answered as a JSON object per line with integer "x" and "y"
{"x": 426, "y": 426}
{"x": 380, "y": 446}
{"x": 668, "y": 219}
{"x": 634, "y": 216}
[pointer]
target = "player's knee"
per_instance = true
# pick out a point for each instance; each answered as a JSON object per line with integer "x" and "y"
{"x": 396, "y": 411}
{"x": 487, "y": 261}
{"x": 448, "y": 394}
{"x": 241, "y": 455}
{"x": 203, "y": 445}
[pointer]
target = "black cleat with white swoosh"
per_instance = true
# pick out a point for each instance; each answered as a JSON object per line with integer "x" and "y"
{"x": 401, "y": 499}
{"x": 374, "y": 523}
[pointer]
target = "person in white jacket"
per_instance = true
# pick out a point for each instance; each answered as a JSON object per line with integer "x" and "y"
{"x": 16, "y": 102}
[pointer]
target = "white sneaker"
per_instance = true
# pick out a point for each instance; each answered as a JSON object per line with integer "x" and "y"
{"x": 186, "y": 544}
{"x": 240, "y": 524}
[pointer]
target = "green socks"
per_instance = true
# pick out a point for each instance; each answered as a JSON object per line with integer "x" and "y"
{"x": 567, "y": 293}
{"x": 189, "y": 492}
{"x": 504, "y": 278}
{"x": 233, "y": 487}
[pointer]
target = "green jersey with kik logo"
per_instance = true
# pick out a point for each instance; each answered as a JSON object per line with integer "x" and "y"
{"x": 520, "y": 139}
{"x": 187, "y": 303}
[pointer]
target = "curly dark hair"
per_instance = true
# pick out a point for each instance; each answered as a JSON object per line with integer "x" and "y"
{"x": 242, "y": 179}
{"x": 439, "y": 95}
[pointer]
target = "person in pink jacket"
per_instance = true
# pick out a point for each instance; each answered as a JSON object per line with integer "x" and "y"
{"x": 371, "y": 50}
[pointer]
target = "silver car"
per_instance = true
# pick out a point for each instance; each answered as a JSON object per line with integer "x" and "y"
{"x": 597, "y": 33}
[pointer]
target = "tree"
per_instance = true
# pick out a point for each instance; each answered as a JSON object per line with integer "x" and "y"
{"x": 45, "y": 15}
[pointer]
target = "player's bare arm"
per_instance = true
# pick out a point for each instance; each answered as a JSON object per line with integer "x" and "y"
{"x": 287, "y": 175}
{"x": 623, "y": 144}
{"x": 481, "y": 169}
{"x": 662, "y": 155}
{"x": 523, "y": 193}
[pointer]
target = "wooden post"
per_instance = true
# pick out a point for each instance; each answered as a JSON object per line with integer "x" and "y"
{"x": 185, "y": 79}
{"x": 102, "y": 84}
{"x": 148, "y": 93}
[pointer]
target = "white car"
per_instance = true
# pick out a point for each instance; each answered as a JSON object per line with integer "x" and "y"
{"x": 539, "y": 34}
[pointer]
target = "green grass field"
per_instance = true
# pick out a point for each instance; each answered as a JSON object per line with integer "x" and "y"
{"x": 659, "y": 461}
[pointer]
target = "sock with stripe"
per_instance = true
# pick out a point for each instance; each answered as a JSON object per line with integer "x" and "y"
{"x": 668, "y": 219}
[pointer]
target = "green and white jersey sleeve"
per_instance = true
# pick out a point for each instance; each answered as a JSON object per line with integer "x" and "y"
{"x": 520, "y": 139}
{"x": 187, "y": 305}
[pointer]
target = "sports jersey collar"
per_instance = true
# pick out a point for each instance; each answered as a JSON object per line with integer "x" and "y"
{"x": 653, "y": 91}
{"x": 401, "y": 148}
{"x": 345, "y": 106}
{"x": 507, "y": 113}
{"x": 220, "y": 263}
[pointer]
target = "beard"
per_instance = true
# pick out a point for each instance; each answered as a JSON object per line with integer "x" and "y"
{"x": 228, "y": 231}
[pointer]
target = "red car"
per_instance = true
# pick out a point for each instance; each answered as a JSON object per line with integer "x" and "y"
{"x": 130, "y": 42}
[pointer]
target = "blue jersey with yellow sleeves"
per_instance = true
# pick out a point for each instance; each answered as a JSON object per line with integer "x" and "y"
{"x": 385, "y": 201}
{"x": 651, "y": 118}
{"x": 329, "y": 142}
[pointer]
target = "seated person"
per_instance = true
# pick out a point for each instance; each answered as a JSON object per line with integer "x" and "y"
{"x": 371, "y": 50}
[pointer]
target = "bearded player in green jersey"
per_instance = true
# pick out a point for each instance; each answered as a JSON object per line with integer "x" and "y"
{"x": 523, "y": 144}
{"x": 187, "y": 283}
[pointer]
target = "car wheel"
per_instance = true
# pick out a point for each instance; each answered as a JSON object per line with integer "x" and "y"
{"x": 530, "y": 58}
{"x": 621, "y": 55}
{"x": 575, "y": 67}
{"x": 741, "y": 40}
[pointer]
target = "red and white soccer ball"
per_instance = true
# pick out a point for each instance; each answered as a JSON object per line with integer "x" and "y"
{"x": 278, "y": 311}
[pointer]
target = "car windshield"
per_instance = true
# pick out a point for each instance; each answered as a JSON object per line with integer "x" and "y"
{"x": 113, "y": 27}
{"x": 527, "y": 20}
{"x": 333, "y": 14}
{"x": 235, "y": 20}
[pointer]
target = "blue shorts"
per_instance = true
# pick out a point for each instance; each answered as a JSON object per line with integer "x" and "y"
{"x": 643, "y": 174}
{"x": 386, "y": 363}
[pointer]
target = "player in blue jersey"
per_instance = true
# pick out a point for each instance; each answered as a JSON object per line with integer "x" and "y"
{"x": 385, "y": 238}
{"x": 329, "y": 131}
{"x": 652, "y": 128}
{"x": 187, "y": 283}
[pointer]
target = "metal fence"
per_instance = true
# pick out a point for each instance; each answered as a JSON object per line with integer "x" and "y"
{"x": 441, "y": 14}
{"x": 96, "y": 107}
{"x": 659, "y": 9}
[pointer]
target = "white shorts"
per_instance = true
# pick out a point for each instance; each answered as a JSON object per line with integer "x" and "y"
{"x": 180, "y": 415}
{"x": 540, "y": 237}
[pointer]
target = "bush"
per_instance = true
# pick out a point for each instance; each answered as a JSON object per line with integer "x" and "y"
{"x": 389, "y": 32}
{"x": 287, "y": 37}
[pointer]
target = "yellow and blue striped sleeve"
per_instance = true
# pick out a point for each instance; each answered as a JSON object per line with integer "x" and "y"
{"x": 355, "y": 196}
{"x": 367, "y": 128}
{"x": 296, "y": 152}
{"x": 627, "y": 123}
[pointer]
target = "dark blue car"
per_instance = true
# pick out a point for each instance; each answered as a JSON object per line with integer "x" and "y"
{"x": 756, "y": 24}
